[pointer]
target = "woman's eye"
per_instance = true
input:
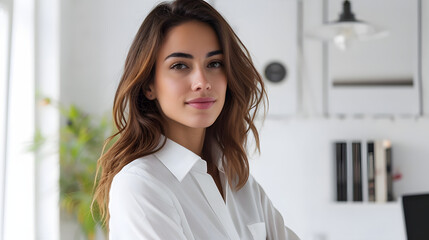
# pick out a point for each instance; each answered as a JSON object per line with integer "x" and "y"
{"x": 216, "y": 64}
{"x": 178, "y": 66}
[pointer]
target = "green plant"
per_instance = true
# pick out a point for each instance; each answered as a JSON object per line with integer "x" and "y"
{"x": 81, "y": 141}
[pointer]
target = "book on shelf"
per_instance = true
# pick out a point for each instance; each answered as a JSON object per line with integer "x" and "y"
{"x": 383, "y": 171}
{"x": 357, "y": 171}
{"x": 389, "y": 170}
{"x": 371, "y": 172}
{"x": 344, "y": 170}
{"x": 364, "y": 171}
{"x": 341, "y": 170}
{"x": 380, "y": 172}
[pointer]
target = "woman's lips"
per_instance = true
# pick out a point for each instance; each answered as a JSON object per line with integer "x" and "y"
{"x": 201, "y": 103}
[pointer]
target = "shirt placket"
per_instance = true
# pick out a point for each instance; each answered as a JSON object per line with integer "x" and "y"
{"x": 217, "y": 203}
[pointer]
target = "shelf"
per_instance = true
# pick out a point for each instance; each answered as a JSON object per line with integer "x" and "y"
{"x": 369, "y": 204}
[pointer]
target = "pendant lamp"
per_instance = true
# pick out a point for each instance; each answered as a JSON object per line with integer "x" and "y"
{"x": 346, "y": 29}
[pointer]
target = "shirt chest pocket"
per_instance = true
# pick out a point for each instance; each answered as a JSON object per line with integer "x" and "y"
{"x": 258, "y": 231}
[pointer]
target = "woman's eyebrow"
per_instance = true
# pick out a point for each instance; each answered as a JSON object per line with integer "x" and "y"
{"x": 179, "y": 54}
{"x": 212, "y": 53}
{"x": 187, "y": 55}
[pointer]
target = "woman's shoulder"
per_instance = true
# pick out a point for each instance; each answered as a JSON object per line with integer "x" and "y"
{"x": 253, "y": 188}
{"x": 142, "y": 177}
{"x": 252, "y": 183}
{"x": 141, "y": 166}
{"x": 147, "y": 169}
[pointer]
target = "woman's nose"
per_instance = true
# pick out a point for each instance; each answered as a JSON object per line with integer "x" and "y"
{"x": 200, "y": 81}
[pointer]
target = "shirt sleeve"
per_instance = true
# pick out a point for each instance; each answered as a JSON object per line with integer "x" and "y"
{"x": 274, "y": 223}
{"x": 141, "y": 209}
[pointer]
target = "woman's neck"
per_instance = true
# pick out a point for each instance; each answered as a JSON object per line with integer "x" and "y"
{"x": 190, "y": 138}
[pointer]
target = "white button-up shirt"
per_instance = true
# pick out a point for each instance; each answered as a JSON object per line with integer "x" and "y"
{"x": 169, "y": 195}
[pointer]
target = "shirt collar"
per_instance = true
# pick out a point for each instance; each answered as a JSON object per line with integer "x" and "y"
{"x": 178, "y": 159}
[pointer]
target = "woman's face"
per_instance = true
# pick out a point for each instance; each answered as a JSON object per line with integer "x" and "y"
{"x": 190, "y": 82}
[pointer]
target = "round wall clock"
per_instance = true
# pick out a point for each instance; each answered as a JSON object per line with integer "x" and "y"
{"x": 275, "y": 72}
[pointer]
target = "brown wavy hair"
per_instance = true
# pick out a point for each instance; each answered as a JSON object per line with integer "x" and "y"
{"x": 139, "y": 121}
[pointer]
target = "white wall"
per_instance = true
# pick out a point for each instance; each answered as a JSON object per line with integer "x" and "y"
{"x": 95, "y": 39}
{"x": 295, "y": 167}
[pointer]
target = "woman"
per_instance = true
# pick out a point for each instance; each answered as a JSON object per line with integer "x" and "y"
{"x": 184, "y": 106}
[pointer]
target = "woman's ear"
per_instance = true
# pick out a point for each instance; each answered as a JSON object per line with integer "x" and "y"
{"x": 150, "y": 93}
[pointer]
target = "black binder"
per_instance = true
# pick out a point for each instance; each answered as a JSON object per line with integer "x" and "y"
{"x": 416, "y": 216}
